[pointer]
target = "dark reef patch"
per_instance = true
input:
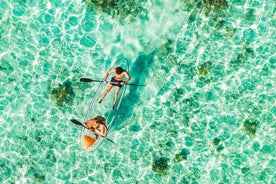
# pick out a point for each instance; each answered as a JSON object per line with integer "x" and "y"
{"x": 183, "y": 155}
{"x": 120, "y": 9}
{"x": 215, "y": 4}
{"x": 161, "y": 165}
{"x": 64, "y": 94}
{"x": 216, "y": 141}
{"x": 245, "y": 54}
{"x": 203, "y": 68}
{"x": 207, "y": 6}
{"x": 250, "y": 126}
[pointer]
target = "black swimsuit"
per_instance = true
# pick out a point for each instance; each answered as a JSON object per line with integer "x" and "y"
{"x": 117, "y": 82}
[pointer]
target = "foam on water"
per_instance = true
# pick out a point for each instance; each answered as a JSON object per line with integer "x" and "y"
{"x": 206, "y": 114}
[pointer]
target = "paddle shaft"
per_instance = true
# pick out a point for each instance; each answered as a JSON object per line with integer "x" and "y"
{"x": 91, "y": 80}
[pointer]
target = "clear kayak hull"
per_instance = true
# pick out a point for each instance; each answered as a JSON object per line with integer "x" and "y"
{"x": 87, "y": 139}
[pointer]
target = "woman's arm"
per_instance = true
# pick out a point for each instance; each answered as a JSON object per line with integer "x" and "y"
{"x": 102, "y": 130}
{"x": 107, "y": 73}
{"x": 89, "y": 124}
{"x": 127, "y": 77}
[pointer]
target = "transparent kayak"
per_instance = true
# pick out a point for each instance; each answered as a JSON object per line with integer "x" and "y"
{"x": 87, "y": 139}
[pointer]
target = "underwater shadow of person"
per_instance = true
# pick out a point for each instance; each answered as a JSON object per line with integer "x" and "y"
{"x": 139, "y": 67}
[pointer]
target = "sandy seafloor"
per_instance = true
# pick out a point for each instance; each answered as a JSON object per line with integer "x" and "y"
{"x": 207, "y": 112}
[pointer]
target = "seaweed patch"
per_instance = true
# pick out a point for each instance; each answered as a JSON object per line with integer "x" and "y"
{"x": 183, "y": 155}
{"x": 250, "y": 15}
{"x": 216, "y": 141}
{"x": 120, "y": 9}
{"x": 203, "y": 68}
{"x": 206, "y": 5}
{"x": 250, "y": 126}
{"x": 215, "y": 4}
{"x": 161, "y": 165}
{"x": 64, "y": 94}
{"x": 245, "y": 53}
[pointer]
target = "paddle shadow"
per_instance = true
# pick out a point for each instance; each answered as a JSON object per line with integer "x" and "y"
{"x": 138, "y": 68}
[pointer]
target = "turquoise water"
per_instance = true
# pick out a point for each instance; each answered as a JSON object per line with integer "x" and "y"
{"x": 207, "y": 112}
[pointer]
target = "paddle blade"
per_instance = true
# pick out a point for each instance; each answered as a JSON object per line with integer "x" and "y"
{"x": 76, "y": 122}
{"x": 86, "y": 80}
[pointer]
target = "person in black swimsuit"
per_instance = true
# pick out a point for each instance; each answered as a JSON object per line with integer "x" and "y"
{"x": 116, "y": 80}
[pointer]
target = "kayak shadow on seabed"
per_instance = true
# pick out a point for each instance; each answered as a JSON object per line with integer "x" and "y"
{"x": 137, "y": 69}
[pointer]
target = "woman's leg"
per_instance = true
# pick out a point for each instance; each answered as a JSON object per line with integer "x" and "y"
{"x": 105, "y": 92}
{"x": 116, "y": 96}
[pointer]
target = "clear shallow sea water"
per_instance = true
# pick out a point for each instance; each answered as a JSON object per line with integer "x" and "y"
{"x": 207, "y": 112}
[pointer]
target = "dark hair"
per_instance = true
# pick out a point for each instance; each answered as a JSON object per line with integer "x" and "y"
{"x": 100, "y": 119}
{"x": 119, "y": 70}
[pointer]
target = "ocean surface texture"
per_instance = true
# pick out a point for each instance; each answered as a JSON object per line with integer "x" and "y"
{"x": 207, "y": 112}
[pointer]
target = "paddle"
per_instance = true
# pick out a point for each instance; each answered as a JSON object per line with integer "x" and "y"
{"x": 76, "y": 122}
{"x": 91, "y": 80}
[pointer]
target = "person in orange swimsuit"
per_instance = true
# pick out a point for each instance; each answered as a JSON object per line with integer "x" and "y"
{"x": 97, "y": 125}
{"x": 116, "y": 80}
